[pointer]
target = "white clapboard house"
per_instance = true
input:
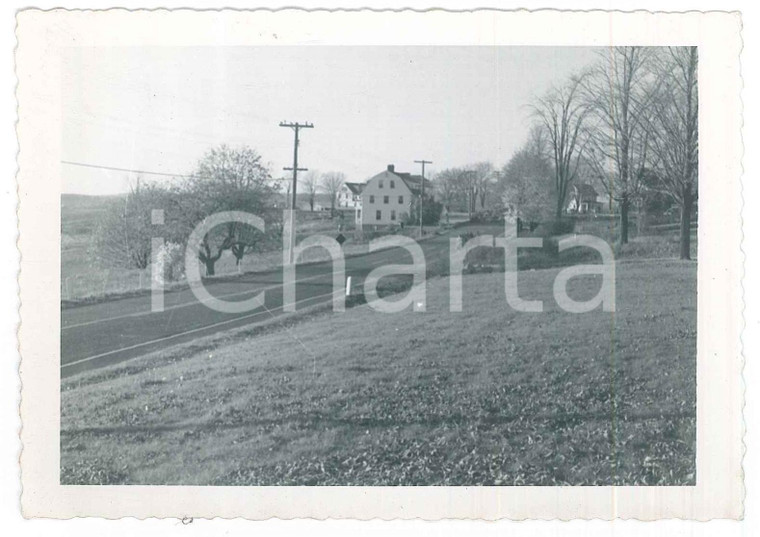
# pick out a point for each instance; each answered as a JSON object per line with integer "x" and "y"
{"x": 386, "y": 198}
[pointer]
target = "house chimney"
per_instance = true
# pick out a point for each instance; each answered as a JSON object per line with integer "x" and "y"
{"x": 391, "y": 168}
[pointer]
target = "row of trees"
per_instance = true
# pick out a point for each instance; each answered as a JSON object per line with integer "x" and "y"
{"x": 329, "y": 183}
{"x": 468, "y": 188}
{"x": 629, "y": 124}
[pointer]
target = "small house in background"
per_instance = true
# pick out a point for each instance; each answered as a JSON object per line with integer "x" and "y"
{"x": 386, "y": 198}
{"x": 583, "y": 199}
{"x": 350, "y": 195}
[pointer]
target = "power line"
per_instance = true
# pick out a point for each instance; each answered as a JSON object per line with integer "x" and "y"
{"x": 113, "y": 168}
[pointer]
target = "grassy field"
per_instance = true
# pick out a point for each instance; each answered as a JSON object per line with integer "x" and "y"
{"x": 488, "y": 396}
{"x": 80, "y": 276}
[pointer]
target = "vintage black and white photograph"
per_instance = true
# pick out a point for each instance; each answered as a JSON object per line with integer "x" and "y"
{"x": 458, "y": 268}
{"x": 413, "y": 302}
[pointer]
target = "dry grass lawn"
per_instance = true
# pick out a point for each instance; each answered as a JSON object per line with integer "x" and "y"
{"x": 488, "y": 396}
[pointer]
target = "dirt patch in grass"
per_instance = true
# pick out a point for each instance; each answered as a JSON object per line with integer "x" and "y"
{"x": 488, "y": 396}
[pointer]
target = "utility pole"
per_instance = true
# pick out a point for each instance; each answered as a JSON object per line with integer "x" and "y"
{"x": 422, "y": 186}
{"x": 468, "y": 174}
{"x": 292, "y": 220}
{"x": 296, "y": 127}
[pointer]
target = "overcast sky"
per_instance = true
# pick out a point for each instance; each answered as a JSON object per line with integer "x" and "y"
{"x": 161, "y": 109}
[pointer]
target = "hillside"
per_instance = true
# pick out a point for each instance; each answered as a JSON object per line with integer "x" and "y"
{"x": 80, "y": 212}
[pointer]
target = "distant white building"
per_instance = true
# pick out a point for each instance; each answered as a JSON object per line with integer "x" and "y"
{"x": 583, "y": 199}
{"x": 386, "y": 198}
{"x": 350, "y": 195}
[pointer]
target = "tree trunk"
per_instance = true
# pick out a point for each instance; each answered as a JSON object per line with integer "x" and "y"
{"x": 642, "y": 220}
{"x": 688, "y": 200}
{"x": 624, "y": 206}
{"x": 558, "y": 209}
{"x": 210, "y": 266}
{"x": 238, "y": 250}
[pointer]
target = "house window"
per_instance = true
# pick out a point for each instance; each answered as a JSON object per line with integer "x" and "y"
{"x": 380, "y": 184}
{"x": 393, "y": 183}
{"x": 386, "y": 199}
{"x": 393, "y": 215}
{"x": 401, "y": 200}
{"x": 378, "y": 215}
{"x": 372, "y": 199}
{"x": 359, "y": 214}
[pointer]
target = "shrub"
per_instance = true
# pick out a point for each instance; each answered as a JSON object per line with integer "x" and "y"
{"x": 549, "y": 256}
{"x": 464, "y": 237}
{"x": 431, "y": 213}
{"x": 488, "y": 216}
{"x": 552, "y": 228}
{"x": 484, "y": 259}
{"x": 651, "y": 247}
{"x": 170, "y": 261}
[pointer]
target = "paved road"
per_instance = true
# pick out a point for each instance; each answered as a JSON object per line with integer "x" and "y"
{"x": 101, "y": 334}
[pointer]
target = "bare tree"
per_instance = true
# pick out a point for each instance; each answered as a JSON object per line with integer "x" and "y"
{"x": 525, "y": 182}
{"x": 331, "y": 182}
{"x": 562, "y": 114}
{"x": 467, "y": 180}
{"x": 468, "y": 186}
{"x": 482, "y": 180}
{"x": 447, "y": 187}
{"x": 618, "y": 92}
{"x": 675, "y": 133}
{"x": 538, "y": 142}
{"x": 311, "y": 186}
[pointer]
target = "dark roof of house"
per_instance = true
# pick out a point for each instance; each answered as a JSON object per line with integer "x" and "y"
{"x": 355, "y": 188}
{"x": 414, "y": 182}
{"x": 585, "y": 190}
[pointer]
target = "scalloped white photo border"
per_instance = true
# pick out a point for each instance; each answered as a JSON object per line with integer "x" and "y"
{"x": 719, "y": 490}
